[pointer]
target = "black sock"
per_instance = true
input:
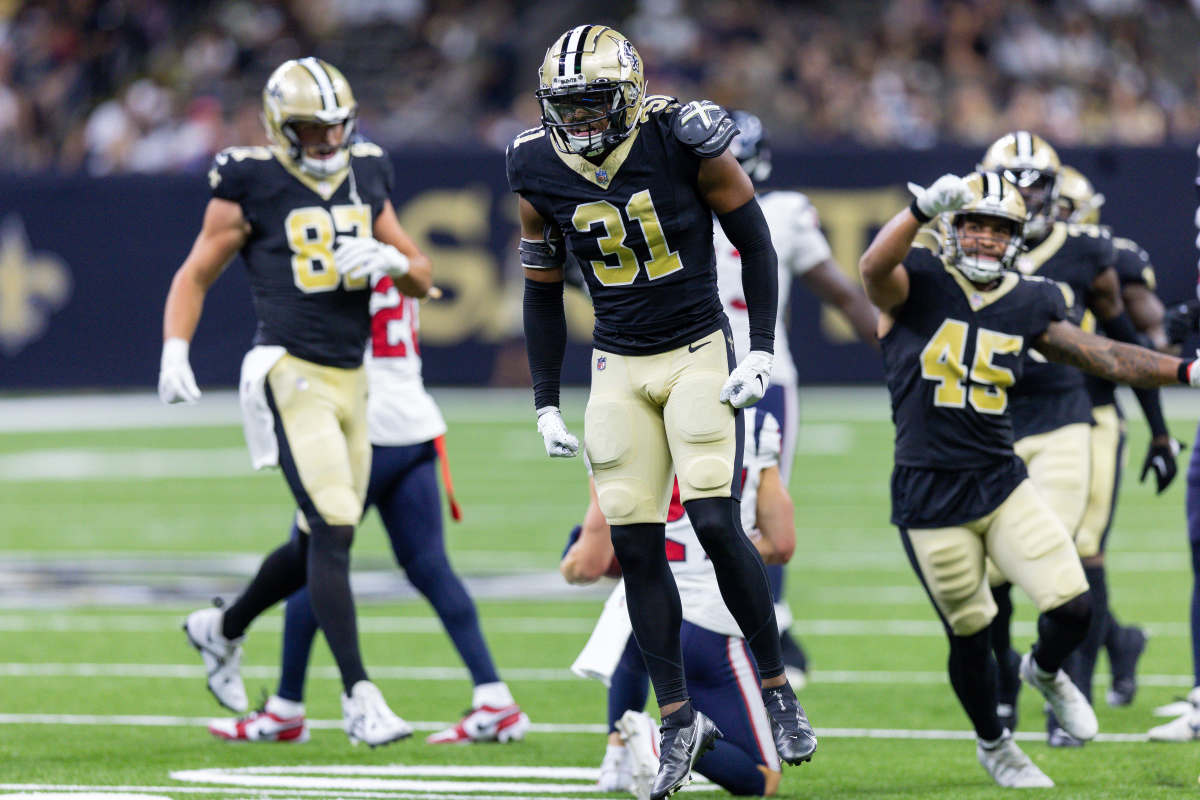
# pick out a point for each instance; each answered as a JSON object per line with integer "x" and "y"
{"x": 653, "y": 602}
{"x": 1001, "y": 626}
{"x": 332, "y": 601}
{"x": 680, "y": 717}
{"x": 1061, "y": 630}
{"x": 1081, "y": 664}
{"x": 280, "y": 574}
{"x": 740, "y": 576}
{"x": 973, "y": 676}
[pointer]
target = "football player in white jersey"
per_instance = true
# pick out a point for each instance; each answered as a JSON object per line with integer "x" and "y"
{"x": 803, "y": 253}
{"x": 721, "y": 674}
{"x": 406, "y": 431}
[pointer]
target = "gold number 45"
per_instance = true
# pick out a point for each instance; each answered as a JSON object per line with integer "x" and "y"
{"x": 942, "y": 361}
{"x": 663, "y": 260}
{"x": 310, "y": 235}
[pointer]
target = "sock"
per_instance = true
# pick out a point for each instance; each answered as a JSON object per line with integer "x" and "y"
{"x": 653, "y": 602}
{"x": 280, "y": 574}
{"x": 332, "y": 601}
{"x": 1081, "y": 664}
{"x": 732, "y": 769}
{"x": 740, "y": 576}
{"x": 1001, "y": 625}
{"x": 299, "y": 630}
{"x": 284, "y": 708}
{"x": 680, "y": 717}
{"x": 1061, "y": 630}
{"x": 493, "y": 695}
{"x": 973, "y": 675}
{"x": 629, "y": 687}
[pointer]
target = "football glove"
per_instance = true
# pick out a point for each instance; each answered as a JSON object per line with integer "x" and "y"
{"x": 749, "y": 380}
{"x": 176, "y": 383}
{"x": 1180, "y": 321}
{"x": 363, "y": 256}
{"x": 1160, "y": 459}
{"x": 559, "y": 441}
{"x": 947, "y": 193}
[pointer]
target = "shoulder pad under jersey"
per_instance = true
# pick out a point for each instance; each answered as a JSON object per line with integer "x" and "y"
{"x": 704, "y": 128}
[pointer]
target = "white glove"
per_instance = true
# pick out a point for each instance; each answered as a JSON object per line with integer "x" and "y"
{"x": 559, "y": 441}
{"x": 362, "y": 256}
{"x": 749, "y": 380}
{"x": 947, "y": 193}
{"x": 176, "y": 383}
{"x": 1193, "y": 372}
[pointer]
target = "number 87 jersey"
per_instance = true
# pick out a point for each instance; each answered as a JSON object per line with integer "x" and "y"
{"x": 301, "y": 301}
{"x": 636, "y": 223}
{"x": 950, "y": 358}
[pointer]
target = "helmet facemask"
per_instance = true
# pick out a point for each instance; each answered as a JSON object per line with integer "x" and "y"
{"x": 588, "y": 119}
{"x": 302, "y": 100}
{"x": 322, "y": 164}
{"x": 979, "y": 254}
{"x": 1039, "y": 190}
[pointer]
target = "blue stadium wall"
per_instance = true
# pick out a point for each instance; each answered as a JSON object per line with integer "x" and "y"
{"x": 85, "y": 263}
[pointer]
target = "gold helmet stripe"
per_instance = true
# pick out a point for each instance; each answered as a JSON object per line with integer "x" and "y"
{"x": 324, "y": 84}
{"x": 1024, "y": 144}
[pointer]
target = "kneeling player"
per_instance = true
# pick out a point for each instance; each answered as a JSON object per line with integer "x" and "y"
{"x": 955, "y": 326}
{"x": 720, "y": 670}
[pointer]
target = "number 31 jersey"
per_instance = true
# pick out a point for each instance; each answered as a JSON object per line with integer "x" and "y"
{"x": 301, "y": 301}
{"x": 638, "y": 226}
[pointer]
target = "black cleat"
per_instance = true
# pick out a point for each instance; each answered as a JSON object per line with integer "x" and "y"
{"x": 1131, "y": 643}
{"x": 1008, "y": 687}
{"x": 794, "y": 737}
{"x": 680, "y": 746}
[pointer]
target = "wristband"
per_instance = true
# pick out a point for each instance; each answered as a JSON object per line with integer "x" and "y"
{"x": 1182, "y": 373}
{"x": 916, "y": 211}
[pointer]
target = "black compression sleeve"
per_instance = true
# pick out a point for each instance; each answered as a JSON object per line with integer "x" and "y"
{"x": 1120, "y": 328}
{"x": 747, "y": 230}
{"x": 545, "y": 338}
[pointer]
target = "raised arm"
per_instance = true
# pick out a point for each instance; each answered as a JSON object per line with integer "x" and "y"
{"x": 1124, "y": 363}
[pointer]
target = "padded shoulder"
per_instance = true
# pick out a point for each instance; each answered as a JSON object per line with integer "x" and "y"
{"x": 230, "y": 171}
{"x": 704, "y": 127}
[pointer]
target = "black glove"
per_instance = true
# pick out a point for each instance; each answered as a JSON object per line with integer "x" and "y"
{"x": 1180, "y": 321}
{"x": 1161, "y": 459}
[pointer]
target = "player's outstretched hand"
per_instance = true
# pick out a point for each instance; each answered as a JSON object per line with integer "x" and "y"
{"x": 749, "y": 380}
{"x": 363, "y": 256}
{"x": 176, "y": 383}
{"x": 947, "y": 193}
{"x": 1160, "y": 459}
{"x": 559, "y": 441}
{"x": 1180, "y": 321}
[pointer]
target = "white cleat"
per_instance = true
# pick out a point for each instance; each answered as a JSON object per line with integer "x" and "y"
{"x": 277, "y": 721}
{"x": 486, "y": 724}
{"x": 616, "y": 771}
{"x": 1009, "y": 766}
{"x": 1185, "y": 728}
{"x": 1072, "y": 709}
{"x": 366, "y": 717}
{"x": 1180, "y": 707}
{"x": 222, "y": 657}
{"x": 640, "y": 735}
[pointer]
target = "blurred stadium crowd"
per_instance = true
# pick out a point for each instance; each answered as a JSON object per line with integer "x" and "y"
{"x": 106, "y": 86}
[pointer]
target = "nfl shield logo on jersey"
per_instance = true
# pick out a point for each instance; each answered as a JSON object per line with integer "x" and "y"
{"x": 601, "y": 363}
{"x": 602, "y": 175}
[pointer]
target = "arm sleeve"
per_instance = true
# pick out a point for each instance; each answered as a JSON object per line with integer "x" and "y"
{"x": 545, "y": 338}
{"x": 747, "y": 230}
{"x": 1121, "y": 329}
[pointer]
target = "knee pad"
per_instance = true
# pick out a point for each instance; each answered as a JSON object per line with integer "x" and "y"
{"x": 337, "y": 505}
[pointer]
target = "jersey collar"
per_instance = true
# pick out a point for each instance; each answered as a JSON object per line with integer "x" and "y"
{"x": 1031, "y": 262}
{"x": 978, "y": 298}
{"x": 323, "y": 187}
{"x": 603, "y": 174}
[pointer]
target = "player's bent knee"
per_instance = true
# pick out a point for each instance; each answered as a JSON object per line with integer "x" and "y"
{"x": 617, "y": 503}
{"x": 338, "y": 505}
{"x": 970, "y": 620}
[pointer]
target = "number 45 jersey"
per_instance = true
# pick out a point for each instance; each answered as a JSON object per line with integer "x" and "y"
{"x": 301, "y": 301}
{"x": 950, "y": 358}
{"x": 636, "y": 223}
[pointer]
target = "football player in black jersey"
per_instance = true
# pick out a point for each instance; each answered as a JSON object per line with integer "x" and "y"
{"x": 628, "y": 184}
{"x": 312, "y": 218}
{"x": 954, "y": 328}
{"x": 1051, "y": 407}
{"x": 1080, "y": 204}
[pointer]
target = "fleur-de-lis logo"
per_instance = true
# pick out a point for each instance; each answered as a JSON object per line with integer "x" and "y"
{"x": 33, "y": 285}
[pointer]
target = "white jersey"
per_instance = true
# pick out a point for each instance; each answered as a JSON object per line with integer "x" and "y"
{"x": 799, "y": 245}
{"x": 694, "y": 574}
{"x": 399, "y": 410}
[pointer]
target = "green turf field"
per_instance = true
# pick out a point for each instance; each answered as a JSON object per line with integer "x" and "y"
{"x": 109, "y": 536}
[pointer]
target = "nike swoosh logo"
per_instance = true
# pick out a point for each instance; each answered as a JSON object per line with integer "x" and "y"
{"x": 694, "y": 348}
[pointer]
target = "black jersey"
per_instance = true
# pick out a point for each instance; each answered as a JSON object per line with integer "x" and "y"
{"x": 1133, "y": 267}
{"x": 301, "y": 301}
{"x": 950, "y": 358}
{"x": 638, "y": 227}
{"x": 1053, "y": 395}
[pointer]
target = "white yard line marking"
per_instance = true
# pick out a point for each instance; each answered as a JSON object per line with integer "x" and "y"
{"x": 834, "y": 733}
{"x": 241, "y": 792}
